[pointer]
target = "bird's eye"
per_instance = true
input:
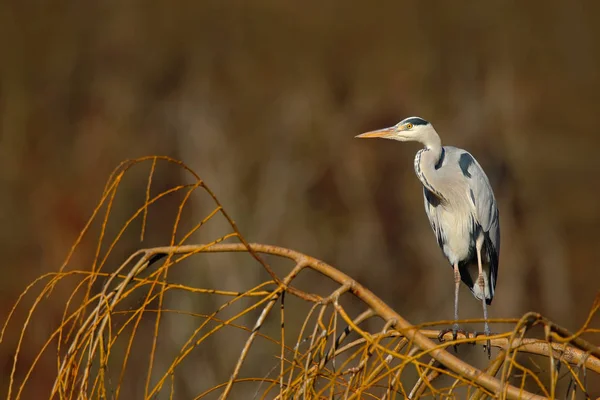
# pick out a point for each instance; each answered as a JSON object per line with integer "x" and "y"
{"x": 409, "y": 126}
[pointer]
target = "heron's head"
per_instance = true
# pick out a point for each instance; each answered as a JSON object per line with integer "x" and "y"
{"x": 409, "y": 129}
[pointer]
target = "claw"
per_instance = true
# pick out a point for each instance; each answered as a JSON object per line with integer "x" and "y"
{"x": 488, "y": 346}
{"x": 442, "y": 334}
{"x": 455, "y": 331}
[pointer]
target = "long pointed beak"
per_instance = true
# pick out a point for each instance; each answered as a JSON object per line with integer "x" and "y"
{"x": 380, "y": 133}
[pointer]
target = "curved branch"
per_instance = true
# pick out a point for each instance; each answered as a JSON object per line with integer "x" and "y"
{"x": 388, "y": 314}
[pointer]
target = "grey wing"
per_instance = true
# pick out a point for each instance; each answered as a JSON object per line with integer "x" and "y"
{"x": 486, "y": 209}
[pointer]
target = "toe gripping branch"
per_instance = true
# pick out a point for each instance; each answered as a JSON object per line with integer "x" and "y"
{"x": 456, "y": 329}
{"x": 488, "y": 344}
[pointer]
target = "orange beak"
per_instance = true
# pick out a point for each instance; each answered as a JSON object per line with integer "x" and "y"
{"x": 380, "y": 133}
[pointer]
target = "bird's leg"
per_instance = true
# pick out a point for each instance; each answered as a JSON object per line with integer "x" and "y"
{"x": 481, "y": 283}
{"x": 455, "y": 328}
{"x": 456, "y": 287}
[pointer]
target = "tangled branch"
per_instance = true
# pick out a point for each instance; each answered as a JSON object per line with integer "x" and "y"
{"x": 333, "y": 354}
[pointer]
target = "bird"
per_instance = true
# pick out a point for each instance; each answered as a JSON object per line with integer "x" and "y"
{"x": 461, "y": 208}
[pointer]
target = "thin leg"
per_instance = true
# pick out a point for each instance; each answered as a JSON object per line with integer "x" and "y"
{"x": 455, "y": 328}
{"x": 481, "y": 283}
{"x": 456, "y": 287}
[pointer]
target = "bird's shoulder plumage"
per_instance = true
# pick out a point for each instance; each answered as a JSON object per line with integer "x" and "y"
{"x": 479, "y": 188}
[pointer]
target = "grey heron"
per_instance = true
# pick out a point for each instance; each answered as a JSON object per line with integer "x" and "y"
{"x": 461, "y": 208}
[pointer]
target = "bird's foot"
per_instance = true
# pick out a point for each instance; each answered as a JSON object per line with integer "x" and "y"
{"x": 488, "y": 346}
{"x": 456, "y": 329}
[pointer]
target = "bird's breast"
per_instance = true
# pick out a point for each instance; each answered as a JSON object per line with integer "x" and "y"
{"x": 457, "y": 235}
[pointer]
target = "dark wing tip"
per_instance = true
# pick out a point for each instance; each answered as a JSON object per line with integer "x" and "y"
{"x": 494, "y": 259}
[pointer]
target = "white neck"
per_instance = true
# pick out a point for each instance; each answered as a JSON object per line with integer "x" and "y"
{"x": 431, "y": 140}
{"x": 427, "y": 159}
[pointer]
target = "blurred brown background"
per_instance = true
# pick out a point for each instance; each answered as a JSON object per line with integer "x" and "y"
{"x": 263, "y": 98}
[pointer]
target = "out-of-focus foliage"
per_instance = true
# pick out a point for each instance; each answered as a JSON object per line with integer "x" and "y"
{"x": 263, "y": 98}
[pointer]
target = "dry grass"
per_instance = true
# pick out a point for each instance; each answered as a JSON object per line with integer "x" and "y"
{"x": 117, "y": 327}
